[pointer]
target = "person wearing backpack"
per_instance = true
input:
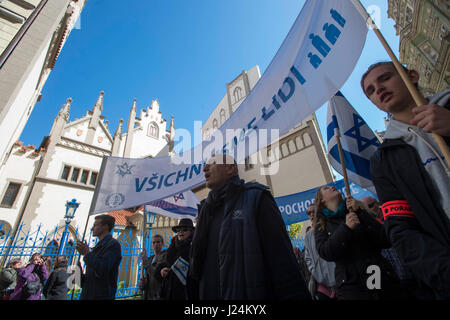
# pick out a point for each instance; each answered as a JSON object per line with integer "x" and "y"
{"x": 29, "y": 279}
{"x": 8, "y": 278}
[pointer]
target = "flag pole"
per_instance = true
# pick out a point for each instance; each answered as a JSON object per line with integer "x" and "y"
{"x": 79, "y": 254}
{"x": 418, "y": 98}
{"x": 341, "y": 157}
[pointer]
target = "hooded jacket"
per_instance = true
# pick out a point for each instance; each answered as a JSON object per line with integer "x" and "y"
{"x": 408, "y": 180}
{"x": 29, "y": 273}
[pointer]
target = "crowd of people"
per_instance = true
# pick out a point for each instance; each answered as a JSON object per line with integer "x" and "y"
{"x": 390, "y": 248}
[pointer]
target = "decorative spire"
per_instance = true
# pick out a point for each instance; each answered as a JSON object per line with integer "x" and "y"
{"x": 170, "y": 137}
{"x": 119, "y": 129}
{"x": 65, "y": 109}
{"x": 155, "y": 106}
{"x": 99, "y": 103}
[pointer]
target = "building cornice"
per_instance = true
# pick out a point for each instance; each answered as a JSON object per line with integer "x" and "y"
{"x": 64, "y": 183}
{"x": 83, "y": 147}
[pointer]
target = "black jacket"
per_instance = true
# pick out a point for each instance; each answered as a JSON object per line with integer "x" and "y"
{"x": 56, "y": 286}
{"x": 421, "y": 239}
{"x": 255, "y": 259}
{"x": 354, "y": 251}
{"x": 172, "y": 288}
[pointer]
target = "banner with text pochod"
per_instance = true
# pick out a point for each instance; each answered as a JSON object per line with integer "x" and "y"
{"x": 312, "y": 64}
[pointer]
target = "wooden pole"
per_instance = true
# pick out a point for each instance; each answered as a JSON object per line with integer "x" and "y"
{"x": 79, "y": 255}
{"x": 418, "y": 98}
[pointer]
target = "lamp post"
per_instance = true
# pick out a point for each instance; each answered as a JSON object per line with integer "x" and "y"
{"x": 71, "y": 208}
{"x": 150, "y": 218}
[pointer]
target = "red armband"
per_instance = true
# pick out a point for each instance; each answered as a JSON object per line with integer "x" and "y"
{"x": 397, "y": 208}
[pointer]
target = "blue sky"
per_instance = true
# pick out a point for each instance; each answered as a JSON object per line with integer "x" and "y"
{"x": 181, "y": 53}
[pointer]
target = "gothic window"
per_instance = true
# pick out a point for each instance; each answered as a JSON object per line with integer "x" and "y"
{"x": 222, "y": 116}
{"x": 65, "y": 173}
{"x": 292, "y": 147}
{"x": 10, "y": 195}
{"x": 237, "y": 94}
{"x": 215, "y": 124}
{"x": 153, "y": 130}
{"x": 75, "y": 174}
{"x": 299, "y": 143}
{"x": 84, "y": 176}
{"x": 307, "y": 139}
{"x": 93, "y": 180}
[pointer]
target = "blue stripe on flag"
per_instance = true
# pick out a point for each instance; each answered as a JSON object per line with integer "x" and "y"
{"x": 351, "y": 161}
{"x": 330, "y": 129}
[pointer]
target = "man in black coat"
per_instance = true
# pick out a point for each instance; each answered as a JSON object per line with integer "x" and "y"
{"x": 241, "y": 249}
{"x": 411, "y": 178}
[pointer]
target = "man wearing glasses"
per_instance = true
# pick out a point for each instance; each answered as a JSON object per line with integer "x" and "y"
{"x": 241, "y": 249}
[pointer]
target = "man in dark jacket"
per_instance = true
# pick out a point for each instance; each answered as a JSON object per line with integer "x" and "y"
{"x": 151, "y": 280}
{"x": 411, "y": 177}
{"x": 241, "y": 249}
{"x": 102, "y": 262}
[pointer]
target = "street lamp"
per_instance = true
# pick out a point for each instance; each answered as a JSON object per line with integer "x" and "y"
{"x": 150, "y": 219}
{"x": 71, "y": 208}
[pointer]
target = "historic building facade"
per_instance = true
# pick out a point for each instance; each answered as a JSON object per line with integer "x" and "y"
{"x": 32, "y": 34}
{"x": 36, "y": 182}
{"x": 424, "y": 30}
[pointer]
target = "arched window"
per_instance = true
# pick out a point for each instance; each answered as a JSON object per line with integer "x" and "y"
{"x": 237, "y": 94}
{"x": 307, "y": 139}
{"x": 222, "y": 116}
{"x": 215, "y": 124}
{"x": 153, "y": 130}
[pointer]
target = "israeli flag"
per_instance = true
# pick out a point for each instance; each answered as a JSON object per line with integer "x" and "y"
{"x": 178, "y": 206}
{"x": 357, "y": 139}
{"x": 180, "y": 268}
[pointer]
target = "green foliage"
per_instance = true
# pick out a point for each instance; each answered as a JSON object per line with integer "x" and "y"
{"x": 295, "y": 229}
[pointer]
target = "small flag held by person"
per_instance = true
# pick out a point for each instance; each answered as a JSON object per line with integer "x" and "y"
{"x": 180, "y": 268}
{"x": 178, "y": 206}
{"x": 357, "y": 139}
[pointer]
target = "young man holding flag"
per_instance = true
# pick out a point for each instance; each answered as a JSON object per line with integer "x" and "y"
{"x": 411, "y": 176}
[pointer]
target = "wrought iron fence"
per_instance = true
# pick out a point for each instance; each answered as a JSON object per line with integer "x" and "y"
{"x": 55, "y": 242}
{"x": 26, "y": 242}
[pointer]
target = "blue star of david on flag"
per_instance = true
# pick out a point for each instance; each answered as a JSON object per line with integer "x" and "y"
{"x": 124, "y": 169}
{"x": 355, "y": 132}
{"x": 358, "y": 141}
{"x": 177, "y": 197}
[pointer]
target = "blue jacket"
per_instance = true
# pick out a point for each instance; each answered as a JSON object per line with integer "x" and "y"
{"x": 102, "y": 270}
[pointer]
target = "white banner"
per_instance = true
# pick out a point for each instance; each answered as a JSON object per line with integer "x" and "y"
{"x": 314, "y": 61}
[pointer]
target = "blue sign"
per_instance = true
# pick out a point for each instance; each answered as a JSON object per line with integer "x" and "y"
{"x": 293, "y": 207}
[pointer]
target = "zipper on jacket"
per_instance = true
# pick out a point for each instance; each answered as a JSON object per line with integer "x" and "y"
{"x": 446, "y": 169}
